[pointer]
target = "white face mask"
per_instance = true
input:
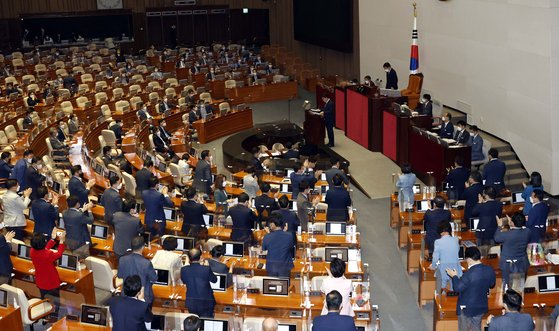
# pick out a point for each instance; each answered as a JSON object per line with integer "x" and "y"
{"x": 224, "y": 183}
{"x": 39, "y": 166}
{"x": 443, "y": 118}
{"x": 17, "y": 188}
{"x": 531, "y": 200}
{"x": 119, "y": 186}
{"x": 387, "y": 70}
{"x": 423, "y": 101}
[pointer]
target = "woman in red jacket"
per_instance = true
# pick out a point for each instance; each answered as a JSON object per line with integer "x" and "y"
{"x": 46, "y": 275}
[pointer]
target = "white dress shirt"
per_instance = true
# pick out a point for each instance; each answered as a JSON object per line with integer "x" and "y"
{"x": 345, "y": 288}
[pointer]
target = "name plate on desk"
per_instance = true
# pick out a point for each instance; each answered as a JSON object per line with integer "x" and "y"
{"x": 316, "y": 259}
{"x": 315, "y": 293}
{"x": 253, "y": 291}
{"x": 452, "y": 294}
{"x": 415, "y": 231}
{"x": 529, "y": 290}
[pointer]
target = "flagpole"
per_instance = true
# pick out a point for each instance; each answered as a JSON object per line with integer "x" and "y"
{"x": 414, "y": 56}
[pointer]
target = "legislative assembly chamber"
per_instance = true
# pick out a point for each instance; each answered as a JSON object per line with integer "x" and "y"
{"x": 278, "y": 165}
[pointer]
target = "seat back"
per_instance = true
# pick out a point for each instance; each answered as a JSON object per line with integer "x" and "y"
{"x": 151, "y": 144}
{"x": 20, "y": 124}
{"x": 28, "y": 78}
{"x": 231, "y": 83}
{"x": 78, "y": 69}
{"x": 100, "y": 85}
{"x": 172, "y": 82}
{"x": 32, "y": 88}
{"x": 102, "y": 273}
{"x": 66, "y": 107}
{"x": 134, "y": 101}
{"x": 316, "y": 282}
{"x": 224, "y": 107}
{"x": 170, "y": 92}
{"x": 100, "y": 97}
{"x": 253, "y": 323}
{"x": 118, "y": 92}
{"x": 81, "y": 101}
{"x": 62, "y": 72}
{"x": 135, "y": 89}
{"x": 121, "y": 105}
{"x": 110, "y": 137}
{"x": 86, "y": 78}
{"x": 189, "y": 87}
{"x": 11, "y": 133}
{"x": 129, "y": 183}
{"x": 153, "y": 97}
{"x": 10, "y": 79}
{"x": 206, "y": 96}
{"x": 155, "y": 85}
{"x": 19, "y": 296}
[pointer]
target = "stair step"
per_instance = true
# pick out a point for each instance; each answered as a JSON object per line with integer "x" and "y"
{"x": 513, "y": 165}
{"x": 507, "y": 155}
{"x": 516, "y": 173}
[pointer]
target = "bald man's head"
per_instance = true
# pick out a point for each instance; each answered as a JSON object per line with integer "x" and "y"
{"x": 270, "y": 324}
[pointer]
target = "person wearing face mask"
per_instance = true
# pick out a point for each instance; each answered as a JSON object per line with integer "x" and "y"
{"x": 14, "y": 205}
{"x": 368, "y": 82}
{"x": 244, "y": 219}
{"x": 34, "y": 177}
{"x": 193, "y": 210}
{"x": 165, "y": 135}
{"x": 220, "y": 195}
{"x": 203, "y": 174}
{"x": 160, "y": 144}
{"x": 77, "y": 188}
{"x": 18, "y": 172}
{"x": 130, "y": 311}
{"x": 127, "y": 226}
{"x": 59, "y": 148}
{"x": 111, "y": 199}
{"x": 156, "y": 74}
{"x": 487, "y": 210}
{"x": 117, "y": 129}
{"x": 32, "y": 100}
{"x": 514, "y": 257}
{"x": 537, "y": 217}
{"x": 45, "y": 211}
{"x": 73, "y": 124}
{"x": 5, "y": 166}
{"x": 477, "y": 144}
{"x": 210, "y": 75}
{"x": 164, "y": 106}
{"x": 426, "y": 106}
{"x": 391, "y": 77}
{"x": 446, "y": 129}
{"x": 462, "y": 136}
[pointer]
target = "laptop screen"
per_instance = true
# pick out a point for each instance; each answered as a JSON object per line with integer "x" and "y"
{"x": 162, "y": 277}
{"x": 61, "y": 224}
{"x": 335, "y": 228}
{"x": 99, "y": 231}
{"x": 235, "y": 249}
{"x": 474, "y": 222}
{"x": 209, "y": 220}
{"x": 285, "y": 188}
{"x": 287, "y": 327}
{"x": 3, "y": 298}
{"x": 24, "y": 251}
{"x": 157, "y": 323}
{"x": 68, "y": 262}
{"x": 294, "y": 206}
{"x": 422, "y": 205}
{"x": 336, "y": 252}
{"x": 56, "y": 187}
{"x": 517, "y": 198}
{"x": 170, "y": 214}
{"x": 221, "y": 283}
{"x": 214, "y": 325}
{"x": 94, "y": 315}
{"x": 548, "y": 283}
{"x": 416, "y": 188}
{"x": 275, "y": 286}
{"x": 323, "y": 176}
{"x": 185, "y": 243}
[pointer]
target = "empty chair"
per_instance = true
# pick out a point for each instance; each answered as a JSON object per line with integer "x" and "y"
{"x": 122, "y": 106}
{"x": 86, "y": 78}
{"x": 26, "y": 79}
{"x": 224, "y": 107}
{"x": 142, "y": 69}
{"x": 5, "y": 145}
{"x": 316, "y": 282}
{"x": 10, "y": 79}
{"x": 231, "y": 83}
{"x": 100, "y": 98}
{"x": 59, "y": 64}
{"x": 189, "y": 87}
{"x": 11, "y": 133}
{"x": 206, "y": 96}
{"x": 95, "y": 67}
{"x": 17, "y": 55}
{"x": 138, "y": 78}
{"x": 135, "y": 102}
{"x": 18, "y": 63}
{"x": 32, "y": 310}
{"x": 172, "y": 82}
{"x": 153, "y": 97}
{"x": 81, "y": 102}
{"x": 66, "y": 107}
{"x": 129, "y": 184}
{"x": 134, "y": 89}
{"x": 83, "y": 89}
{"x": 118, "y": 93}
{"x": 40, "y": 68}
{"x": 154, "y": 85}
{"x": 110, "y": 138}
{"x": 181, "y": 180}
{"x": 97, "y": 59}
{"x": 20, "y": 124}
{"x": 170, "y": 92}
{"x": 253, "y": 323}
{"x": 78, "y": 70}
{"x": 100, "y": 85}
{"x": 62, "y": 72}
{"x": 106, "y": 111}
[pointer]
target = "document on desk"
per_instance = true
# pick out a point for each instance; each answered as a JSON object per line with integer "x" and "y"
{"x": 550, "y": 282}
{"x": 353, "y": 266}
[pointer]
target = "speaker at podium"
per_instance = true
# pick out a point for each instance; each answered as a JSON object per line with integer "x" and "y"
{"x": 313, "y": 127}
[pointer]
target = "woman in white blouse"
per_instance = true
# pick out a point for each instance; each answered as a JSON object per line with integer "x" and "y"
{"x": 167, "y": 259}
{"x": 337, "y": 281}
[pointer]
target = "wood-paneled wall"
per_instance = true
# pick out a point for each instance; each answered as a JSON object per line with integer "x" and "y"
{"x": 329, "y": 62}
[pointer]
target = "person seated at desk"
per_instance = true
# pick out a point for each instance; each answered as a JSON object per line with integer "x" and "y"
{"x": 264, "y": 204}
{"x": 432, "y": 219}
{"x": 243, "y": 219}
{"x": 34, "y": 177}
{"x": 32, "y": 100}
{"x": 290, "y": 153}
{"x": 107, "y": 157}
{"x": 28, "y": 119}
{"x": 77, "y": 188}
{"x": 269, "y": 69}
{"x": 514, "y": 257}
{"x": 426, "y": 106}
{"x": 14, "y": 205}
{"x": 211, "y": 74}
{"x": 191, "y": 97}
{"x": 494, "y": 171}
{"x": 156, "y": 74}
{"x": 44, "y": 263}
{"x": 487, "y": 209}
{"x": 111, "y": 200}
{"x": 445, "y": 256}
{"x": 7, "y": 71}
{"x": 462, "y": 136}
{"x": 58, "y": 82}
{"x": 165, "y": 106}
{"x": 338, "y": 201}
{"x": 58, "y": 146}
{"x": 199, "y": 294}
{"x": 73, "y": 124}
{"x": 129, "y": 311}
{"x": 45, "y": 212}
{"x": 5, "y": 165}
{"x": 333, "y": 320}
{"x": 155, "y": 198}
{"x": 456, "y": 179}
{"x": 391, "y": 77}
{"x": 206, "y": 110}
{"x": 134, "y": 263}
{"x": 477, "y": 144}
{"x": 304, "y": 206}
{"x": 127, "y": 225}
{"x": 166, "y": 135}
{"x": 218, "y": 266}
{"x": 117, "y": 129}
{"x": 193, "y": 211}
{"x": 278, "y": 245}
{"x": 6, "y": 265}
{"x": 193, "y": 115}
{"x": 255, "y": 160}
{"x": 69, "y": 81}
{"x": 250, "y": 182}
{"x": 76, "y": 221}
{"x": 301, "y": 174}
{"x": 337, "y": 281}
{"x": 143, "y": 114}
{"x": 253, "y": 76}
{"x": 512, "y": 319}
{"x": 537, "y": 217}
{"x": 161, "y": 146}
{"x": 167, "y": 259}
{"x": 10, "y": 89}
{"x": 446, "y": 130}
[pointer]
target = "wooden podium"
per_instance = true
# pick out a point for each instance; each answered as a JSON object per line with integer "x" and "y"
{"x": 314, "y": 128}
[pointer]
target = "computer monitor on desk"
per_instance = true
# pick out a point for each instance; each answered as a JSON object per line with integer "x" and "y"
{"x": 234, "y": 249}
{"x": 287, "y": 327}
{"x": 157, "y": 323}
{"x": 68, "y": 261}
{"x": 99, "y": 231}
{"x": 24, "y": 251}
{"x": 336, "y": 252}
{"x": 214, "y": 325}
{"x": 3, "y": 298}
{"x": 94, "y": 315}
{"x": 275, "y": 286}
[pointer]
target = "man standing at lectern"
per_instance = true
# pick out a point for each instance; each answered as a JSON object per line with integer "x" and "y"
{"x": 391, "y": 77}
{"x": 328, "y": 114}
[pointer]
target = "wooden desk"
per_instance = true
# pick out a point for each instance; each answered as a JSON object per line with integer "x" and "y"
{"x": 261, "y": 93}
{"x": 221, "y": 126}
{"x": 67, "y": 325}
{"x": 10, "y": 319}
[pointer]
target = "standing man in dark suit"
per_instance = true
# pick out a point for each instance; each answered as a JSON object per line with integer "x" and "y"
{"x": 117, "y": 129}
{"x": 45, "y": 214}
{"x": 77, "y": 187}
{"x": 462, "y": 136}
{"x": 154, "y": 201}
{"x": 514, "y": 258}
{"x": 255, "y": 160}
{"x": 144, "y": 176}
{"x": 426, "y": 106}
{"x": 446, "y": 129}
{"x": 135, "y": 263}
{"x": 487, "y": 209}
{"x": 432, "y": 219}
{"x": 473, "y": 286}
{"x": 494, "y": 171}
{"x": 338, "y": 201}
{"x": 18, "y": 172}
{"x": 244, "y": 219}
{"x": 300, "y": 174}
{"x": 471, "y": 194}
{"x": 129, "y": 311}
{"x": 34, "y": 177}
{"x": 291, "y": 153}
{"x": 335, "y": 170}
{"x": 127, "y": 226}
{"x": 391, "y": 77}
{"x": 278, "y": 244}
{"x": 78, "y": 238}
{"x": 512, "y": 319}
{"x": 264, "y": 204}
{"x": 333, "y": 321}
{"x": 111, "y": 199}
{"x": 456, "y": 179}
{"x": 537, "y": 217}
{"x": 219, "y": 267}
{"x": 328, "y": 112}
{"x": 5, "y": 166}
{"x": 193, "y": 211}
{"x": 203, "y": 173}
{"x": 289, "y": 219}
{"x": 477, "y": 144}
{"x": 6, "y": 266}
{"x": 199, "y": 294}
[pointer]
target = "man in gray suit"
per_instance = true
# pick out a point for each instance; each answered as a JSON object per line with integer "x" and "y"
{"x": 203, "y": 173}
{"x": 512, "y": 319}
{"x": 335, "y": 170}
{"x": 127, "y": 226}
{"x": 78, "y": 238}
{"x": 514, "y": 258}
{"x": 136, "y": 264}
{"x": 303, "y": 204}
{"x": 111, "y": 199}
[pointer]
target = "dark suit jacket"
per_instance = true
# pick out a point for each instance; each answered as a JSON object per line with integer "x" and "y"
{"x": 456, "y": 180}
{"x": 117, "y": 130}
{"x": 203, "y": 176}
{"x": 33, "y": 180}
{"x": 6, "y": 265}
{"x": 142, "y": 179}
{"x": 487, "y": 213}
{"x": 288, "y": 217}
{"x": 333, "y": 322}
{"x": 126, "y": 228}
{"x": 5, "y": 169}
{"x": 471, "y": 195}
{"x": 279, "y": 245}
{"x": 221, "y": 268}
{"x": 338, "y": 200}
{"x": 129, "y": 313}
{"x": 154, "y": 202}
{"x": 512, "y": 322}
{"x": 18, "y": 172}
{"x": 193, "y": 213}
{"x": 192, "y": 117}
{"x": 427, "y": 109}
{"x": 60, "y": 135}
{"x": 513, "y": 247}
{"x": 477, "y": 148}
{"x": 330, "y": 173}
{"x": 142, "y": 114}
{"x": 431, "y": 222}
{"x": 255, "y": 162}
{"x": 112, "y": 202}
{"x": 447, "y": 130}
{"x": 165, "y": 134}
{"x": 45, "y": 215}
{"x": 264, "y": 202}
{"x": 159, "y": 143}
{"x": 135, "y": 264}
{"x": 68, "y": 81}
{"x": 474, "y": 286}
{"x": 329, "y": 113}
{"x": 77, "y": 188}
{"x": 77, "y": 233}
{"x": 392, "y": 80}
{"x": 296, "y": 179}
{"x": 198, "y": 289}
{"x": 494, "y": 174}
{"x": 291, "y": 154}
{"x": 537, "y": 218}
{"x": 243, "y": 223}
{"x": 462, "y": 137}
